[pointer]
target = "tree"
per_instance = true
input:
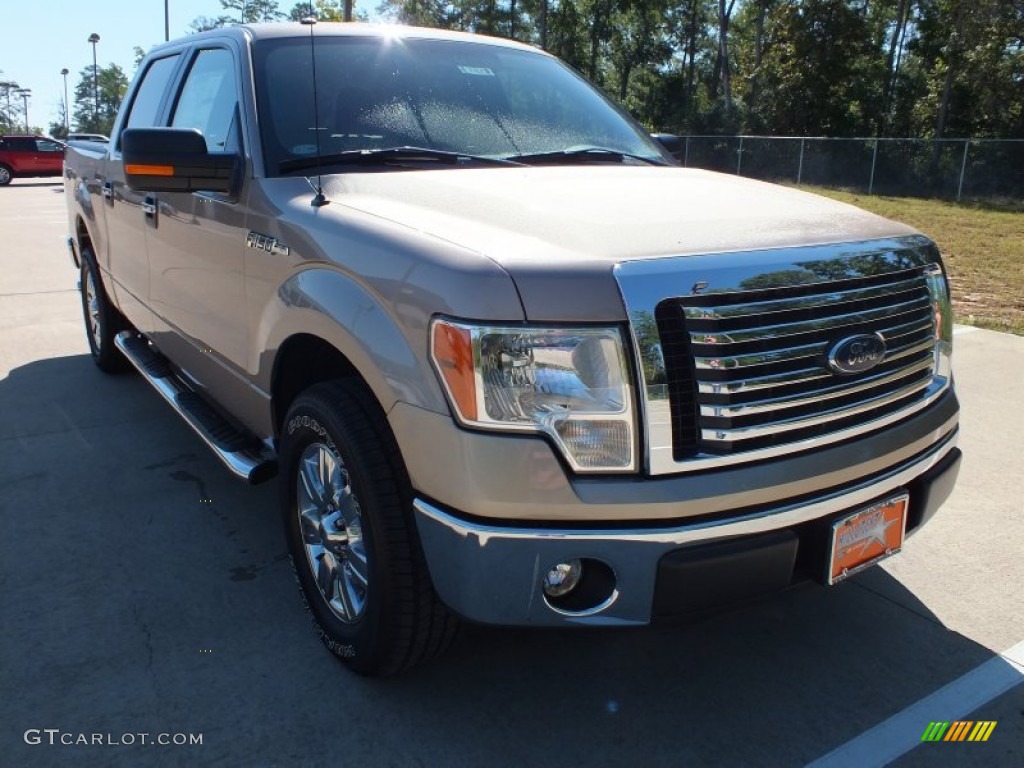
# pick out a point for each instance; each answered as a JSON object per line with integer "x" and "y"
{"x": 251, "y": 11}
{"x": 244, "y": 12}
{"x": 820, "y": 72}
{"x": 7, "y": 114}
{"x": 58, "y": 128}
{"x": 966, "y": 69}
{"x": 112, "y": 85}
{"x": 322, "y": 10}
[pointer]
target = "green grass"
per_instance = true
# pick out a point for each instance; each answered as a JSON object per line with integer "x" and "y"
{"x": 982, "y": 244}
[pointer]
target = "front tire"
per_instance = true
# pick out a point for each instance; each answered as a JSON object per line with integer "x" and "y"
{"x": 6, "y": 175}
{"x": 102, "y": 320}
{"x": 347, "y": 506}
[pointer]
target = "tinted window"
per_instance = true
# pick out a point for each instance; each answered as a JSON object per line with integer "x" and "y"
{"x": 456, "y": 96}
{"x": 146, "y": 104}
{"x": 22, "y": 144}
{"x": 208, "y": 98}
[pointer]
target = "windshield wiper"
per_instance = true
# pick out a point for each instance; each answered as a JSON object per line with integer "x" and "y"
{"x": 389, "y": 156}
{"x": 583, "y": 155}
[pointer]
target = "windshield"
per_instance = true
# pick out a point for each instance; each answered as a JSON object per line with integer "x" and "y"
{"x": 470, "y": 98}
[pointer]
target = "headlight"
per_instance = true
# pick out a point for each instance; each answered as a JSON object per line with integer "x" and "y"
{"x": 570, "y": 384}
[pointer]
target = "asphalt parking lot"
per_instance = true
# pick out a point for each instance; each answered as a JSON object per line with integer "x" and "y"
{"x": 144, "y": 590}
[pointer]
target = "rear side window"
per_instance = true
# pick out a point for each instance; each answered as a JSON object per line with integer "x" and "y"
{"x": 146, "y": 104}
{"x": 209, "y": 97}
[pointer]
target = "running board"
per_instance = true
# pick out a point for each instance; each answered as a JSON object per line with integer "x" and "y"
{"x": 245, "y": 456}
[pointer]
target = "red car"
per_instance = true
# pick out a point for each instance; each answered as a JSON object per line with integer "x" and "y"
{"x": 29, "y": 156}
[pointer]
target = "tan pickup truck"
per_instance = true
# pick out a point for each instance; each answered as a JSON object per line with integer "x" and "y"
{"x": 510, "y": 362}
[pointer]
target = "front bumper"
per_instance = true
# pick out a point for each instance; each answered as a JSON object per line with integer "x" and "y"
{"x": 492, "y": 573}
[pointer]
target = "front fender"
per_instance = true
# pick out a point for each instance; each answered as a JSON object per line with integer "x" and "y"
{"x": 323, "y": 302}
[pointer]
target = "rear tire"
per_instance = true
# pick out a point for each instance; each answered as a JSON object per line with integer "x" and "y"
{"x": 347, "y": 505}
{"x": 102, "y": 320}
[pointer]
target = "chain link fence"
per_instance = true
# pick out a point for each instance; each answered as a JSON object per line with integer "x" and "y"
{"x": 943, "y": 168}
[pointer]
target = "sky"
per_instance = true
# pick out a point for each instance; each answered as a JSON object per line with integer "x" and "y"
{"x": 41, "y": 37}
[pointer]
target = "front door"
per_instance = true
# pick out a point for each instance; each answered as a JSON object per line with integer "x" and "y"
{"x": 197, "y": 241}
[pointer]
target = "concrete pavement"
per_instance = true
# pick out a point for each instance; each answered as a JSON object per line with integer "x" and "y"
{"x": 143, "y": 590}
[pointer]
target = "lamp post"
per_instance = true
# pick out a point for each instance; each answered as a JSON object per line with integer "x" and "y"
{"x": 94, "y": 38}
{"x": 167, "y": 21}
{"x": 8, "y": 86}
{"x": 25, "y": 93}
{"x": 67, "y": 116}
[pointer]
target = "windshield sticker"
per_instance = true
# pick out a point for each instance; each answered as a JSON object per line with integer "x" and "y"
{"x": 479, "y": 71}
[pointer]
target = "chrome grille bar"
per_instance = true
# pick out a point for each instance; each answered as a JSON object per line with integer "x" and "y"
{"x": 828, "y": 322}
{"x": 781, "y": 305}
{"x": 743, "y": 358}
{"x": 776, "y": 404}
{"x": 823, "y": 418}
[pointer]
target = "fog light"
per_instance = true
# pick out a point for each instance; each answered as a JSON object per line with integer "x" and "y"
{"x": 562, "y": 578}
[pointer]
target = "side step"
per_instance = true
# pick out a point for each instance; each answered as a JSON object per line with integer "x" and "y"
{"x": 245, "y": 456}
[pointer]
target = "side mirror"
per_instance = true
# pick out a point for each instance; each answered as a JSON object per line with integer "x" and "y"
{"x": 175, "y": 160}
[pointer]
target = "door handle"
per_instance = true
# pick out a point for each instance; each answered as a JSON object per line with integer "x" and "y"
{"x": 107, "y": 190}
{"x": 149, "y": 206}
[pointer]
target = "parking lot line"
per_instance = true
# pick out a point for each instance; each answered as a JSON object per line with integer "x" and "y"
{"x": 902, "y": 732}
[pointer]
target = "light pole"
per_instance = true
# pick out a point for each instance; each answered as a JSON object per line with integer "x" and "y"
{"x": 25, "y": 93}
{"x": 167, "y": 21}
{"x": 94, "y": 38}
{"x": 8, "y": 86}
{"x": 67, "y": 116}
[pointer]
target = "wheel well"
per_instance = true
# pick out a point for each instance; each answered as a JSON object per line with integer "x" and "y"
{"x": 82, "y": 235}
{"x": 301, "y": 362}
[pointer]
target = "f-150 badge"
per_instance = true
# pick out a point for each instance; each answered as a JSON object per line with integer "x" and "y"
{"x": 266, "y": 243}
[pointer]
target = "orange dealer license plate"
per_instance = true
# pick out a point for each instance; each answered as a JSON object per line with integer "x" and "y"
{"x": 861, "y": 539}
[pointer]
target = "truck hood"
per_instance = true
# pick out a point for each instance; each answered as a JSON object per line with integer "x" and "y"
{"x": 572, "y": 223}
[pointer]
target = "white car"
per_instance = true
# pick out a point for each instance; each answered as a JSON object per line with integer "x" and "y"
{"x": 88, "y": 137}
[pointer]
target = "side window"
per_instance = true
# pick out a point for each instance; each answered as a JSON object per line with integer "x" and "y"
{"x": 42, "y": 145}
{"x": 209, "y": 97}
{"x": 146, "y": 104}
{"x": 23, "y": 144}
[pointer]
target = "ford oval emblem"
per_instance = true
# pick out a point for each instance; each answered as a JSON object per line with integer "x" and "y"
{"x": 856, "y": 354}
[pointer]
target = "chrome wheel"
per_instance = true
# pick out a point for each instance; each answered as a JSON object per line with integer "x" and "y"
{"x": 5, "y": 175}
{"x": 92, "y": 304}
{"x": 330, "y": 525}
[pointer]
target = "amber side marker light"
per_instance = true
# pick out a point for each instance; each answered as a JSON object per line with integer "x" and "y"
{"x": 150, "y": 170}
{"x": 453, "y": 353}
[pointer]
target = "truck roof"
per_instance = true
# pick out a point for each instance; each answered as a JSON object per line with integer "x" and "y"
{"x": 253, "y": 32}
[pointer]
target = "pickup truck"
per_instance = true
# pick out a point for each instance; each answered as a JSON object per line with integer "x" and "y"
{"x": 510, "y": 362}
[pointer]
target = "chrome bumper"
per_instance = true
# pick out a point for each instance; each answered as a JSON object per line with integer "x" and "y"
{"x": 492, "y": 574}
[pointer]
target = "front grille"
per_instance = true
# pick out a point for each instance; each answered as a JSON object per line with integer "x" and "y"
{"x": 749, "y": 370}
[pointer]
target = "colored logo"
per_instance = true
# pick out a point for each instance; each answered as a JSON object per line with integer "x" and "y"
{"x": 959, "y": 730}
{"x": 856, "y": 354}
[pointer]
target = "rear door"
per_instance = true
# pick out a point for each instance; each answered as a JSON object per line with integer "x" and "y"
{"x": 49, "y": 157}
{"x": 127, "y": 211}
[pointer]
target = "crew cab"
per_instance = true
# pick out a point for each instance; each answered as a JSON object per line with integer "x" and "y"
{"x": 508, "y": 361}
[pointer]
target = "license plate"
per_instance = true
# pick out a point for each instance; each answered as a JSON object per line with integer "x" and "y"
{"x": 862, "y": 538}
